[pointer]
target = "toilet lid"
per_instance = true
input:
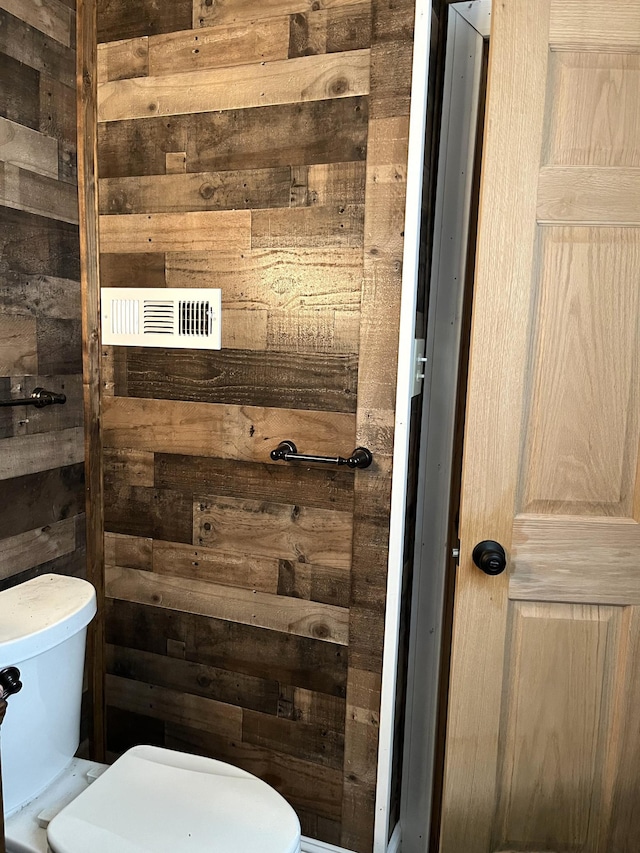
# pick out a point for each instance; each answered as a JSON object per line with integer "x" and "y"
{"x": 155, "y": 800}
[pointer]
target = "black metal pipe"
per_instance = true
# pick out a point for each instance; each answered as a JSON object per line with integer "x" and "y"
{"x": 39, "y": 398}
{"x": 286, "y": 451}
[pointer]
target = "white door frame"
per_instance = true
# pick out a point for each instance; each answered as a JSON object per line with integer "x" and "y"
{"x": 468, "y": 26}
{"x": 404, "y": 392}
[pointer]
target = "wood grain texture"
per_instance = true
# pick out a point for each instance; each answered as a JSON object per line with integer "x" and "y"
{"x": 118, "y": 19}
{"x": 581, "y": 25}
{"x": 196, "y": 191}
{"x": 49, "y": 16}
{"x": 601, "y": 83}
{"x": 121, "y": 60}
{"x": 544, "y": 571}
{"x": 174, "y": 706}
{"x": 19, "y": 92}
{"x": 25, "y": 190}
{"x": 32, "y": 47}
{"x": 36, "y": 500}
{"x": 240, "y": 377}
{"x": 232, "y": 11}
{"x": 280, "y": 530}
{"x": 140, "y": 511}
{"x": 339, "y": 225}
{"x": 276, "y": 613}
{"x": 28, "y": 149}
{"x": 132, "y": 269}
{"x": 330, "y": 30}
{"x": 238, "y": 87}
{"x": 589, "y": 195}
{"x": 235, "y": 152}
{"x": 326, "y": 131}
{"x": 36, "y": 245}
{"x": 35, "y": 547}
{"x": 173, "y": 232}
{"x": 215, "y": 566}
{"x": 324, "y": 488}
{"x": 245, "y": 691}
{"x": 219, "y": 47}
{"x": 246, "y": 433}
{"x": 28, "y": 454}
{"x": 310, "y": 664}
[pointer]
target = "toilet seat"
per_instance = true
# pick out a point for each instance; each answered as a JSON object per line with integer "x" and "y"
{"x": 154, "y": 800}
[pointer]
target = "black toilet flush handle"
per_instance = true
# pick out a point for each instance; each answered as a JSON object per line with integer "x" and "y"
{"x": 9, "y": 682}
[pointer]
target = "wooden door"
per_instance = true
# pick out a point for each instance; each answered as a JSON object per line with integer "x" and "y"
{"x": 543, "y": 748}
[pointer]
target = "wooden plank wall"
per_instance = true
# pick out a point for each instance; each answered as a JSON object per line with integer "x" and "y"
{"x": 41, "y": 451}
{"x": 260, "y": 148}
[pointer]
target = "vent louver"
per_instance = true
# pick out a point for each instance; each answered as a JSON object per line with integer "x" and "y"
{"x": 161, "y": 317}
{"x": 158, "y": 317}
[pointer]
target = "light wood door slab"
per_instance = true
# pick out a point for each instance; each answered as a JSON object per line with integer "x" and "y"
{"x": 543, "y": 746}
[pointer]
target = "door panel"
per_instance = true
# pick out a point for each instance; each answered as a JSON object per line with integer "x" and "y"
{"x": 540, "y": 745}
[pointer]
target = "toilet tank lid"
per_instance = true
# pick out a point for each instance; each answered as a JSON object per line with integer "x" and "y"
{"x": 42, "y": 613}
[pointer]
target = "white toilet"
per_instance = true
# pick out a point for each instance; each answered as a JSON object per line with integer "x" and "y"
{"x": 151, "y": 800}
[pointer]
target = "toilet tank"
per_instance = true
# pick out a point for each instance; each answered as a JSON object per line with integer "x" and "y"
{"x": 43, "y": 627}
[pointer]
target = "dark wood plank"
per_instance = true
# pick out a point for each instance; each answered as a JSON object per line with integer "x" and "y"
{"x": 39, "y": 295}
{"x": 73, "y": 564}
{"x": 314, "y": 665}
{"x": 36, "y": 49}
{"x": 307, "y": 741}
{"x": 59, "y": 345}
{"x": 133, "y": 270}
{"x": 125, "y": 729}
{"x": 314, "y": 382}
{"x": 6, "y": 415}
{"x": 314, "y": 583}
{"x": 233, "y": 190}
{"x": 19, "y": 92}
{"x": 256, "y": 694}
{"x": 391, "y": 56}
{"x": 330, "y": 131}
{"x": 121, "y": 19}
{"x": 301, "y": 485}
{"x": 35, "y": 245}
{"x": 36, "y": 500}
{"x": 58, "y": 120}
{"x": 155, "y": 513}
{"x": 330, "y": 30}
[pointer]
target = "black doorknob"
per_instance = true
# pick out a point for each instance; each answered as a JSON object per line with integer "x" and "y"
{"x": 490, "y": 557}
{"x": 10, "y": 682}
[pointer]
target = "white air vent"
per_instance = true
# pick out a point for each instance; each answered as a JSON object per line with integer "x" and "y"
{"x": 185, "y": 318}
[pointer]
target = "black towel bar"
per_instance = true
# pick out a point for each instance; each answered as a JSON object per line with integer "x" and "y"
{"x": 38, "y": 398}
{"x": 288, "y": 452}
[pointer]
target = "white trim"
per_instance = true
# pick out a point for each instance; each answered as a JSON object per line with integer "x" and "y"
{"x": 413, "y": 211}
{"x": 310, "y": 845}
{"x": 477, "y": 13}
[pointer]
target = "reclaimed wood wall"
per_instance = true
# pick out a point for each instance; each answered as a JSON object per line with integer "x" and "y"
{"x": 41, "y": 451}
{"x": 259, "y": 147}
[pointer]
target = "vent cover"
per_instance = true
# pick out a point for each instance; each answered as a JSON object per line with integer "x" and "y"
{"x": 184, "y": 318}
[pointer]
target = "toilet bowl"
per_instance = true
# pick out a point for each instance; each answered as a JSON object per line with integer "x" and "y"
{"x": 151, "y": 800}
